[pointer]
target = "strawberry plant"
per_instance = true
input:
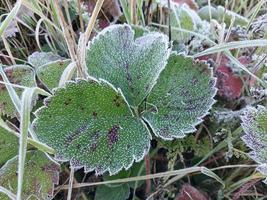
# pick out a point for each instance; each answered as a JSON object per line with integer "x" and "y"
{"x": 102, "y": 123}
{"x": 133, "y": 100}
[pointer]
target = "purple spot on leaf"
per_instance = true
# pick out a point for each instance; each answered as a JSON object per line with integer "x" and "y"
{"x": 113, "y": 135}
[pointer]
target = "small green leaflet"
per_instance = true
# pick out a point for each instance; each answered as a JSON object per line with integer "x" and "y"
{"x": 50, "y": 73}
{"x": 132, "y": 65}
{"x": 9, "y": 144}
{"x": 38, "y": 59}
{"x": 182, "y": 97}
{"x": 185, "y": 18}
{"x": 18, "y": 74}
{"x": 90, "y": 124}
{"x": 221, "y": 13}
{"x": 254, "y": 123}
{"x": 40, "y": 176}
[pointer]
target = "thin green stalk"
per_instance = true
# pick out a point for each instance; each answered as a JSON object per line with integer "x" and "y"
{"x": 42, "y": 147}
{"x": 233, "y": 45}
{"x": 24, "y": 127}
{"x": 183, "y": 172}
{"x": 67, "y": 74}
{"x": 8, "y": 193}
{"x": 10, "y": 17}
{"x": 83, "y": 40}
{"x": 70, "y": 183}
{"x": 7, "y": 48}
{"x": 126, "y": 11}
{"x": 254, "y": 14}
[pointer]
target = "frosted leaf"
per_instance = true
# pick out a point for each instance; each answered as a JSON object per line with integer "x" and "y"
{"x": 181, "y": 98}
{"x": 40, "y": 175}
{"x": 38, "y": 59}
{"x": 50, "y": 73}
{"x": 18, "y": 74}
{"x": 8, "y": 145}
{"x": 185, "y": 18}
{"x": 220, "y": 13}
{"x": 90, "y": 124}
{"x": 132, "y": 65}
{"x": 254, "y": 123}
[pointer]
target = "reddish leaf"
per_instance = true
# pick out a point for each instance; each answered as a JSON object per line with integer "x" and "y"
{"x": 244, "y": 189}
{"x": 191, "y": 3}
{"x": 188, "y": 192}
{"x": 228, "y": 83}
{"x": 110, "y": 7}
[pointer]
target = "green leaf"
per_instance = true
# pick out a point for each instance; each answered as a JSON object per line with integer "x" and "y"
{"x": 104, "y": 192}
{"x": 9, "y": 144}
{"x": 38, "y": 59}
{"x": 220, "y": 13}
{"x": 132, "y": 65}
{"x": 21, "y": 75}
{"x": 254, "y": 123}
{"x": 90, "y": 124}
{"x": 40, "y": 176}
{"x": 137, "y": 169}
{"x": 181, "y": 98}
{"x": 185, "y": 18}
{"x": 50, "y": 74}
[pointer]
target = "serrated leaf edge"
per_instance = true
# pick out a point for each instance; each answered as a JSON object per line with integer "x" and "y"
{"x": 168, "y": 46}
{"x": 200, "y": 118}
{"x": 60, "y": 158}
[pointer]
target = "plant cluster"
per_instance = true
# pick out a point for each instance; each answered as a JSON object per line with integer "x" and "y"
{"x": 170, "y": 90}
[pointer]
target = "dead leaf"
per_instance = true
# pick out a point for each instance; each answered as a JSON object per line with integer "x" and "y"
{"x": 189, "y": 192}
{"x": 191, "y": 3}
{"x": 110, "y": 7}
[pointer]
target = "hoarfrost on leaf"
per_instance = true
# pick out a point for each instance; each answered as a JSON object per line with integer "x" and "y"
{"x": 40, "y": 176}
{"x": 182, "y": 96}
{"x": 130, "y": 64}
{"x": 50, "y": 73}
{"x": 18, "y": 74}
{"x": 254, "y": 123}
{"x": 91, "y": 124}
{"x": 38, "y": 59}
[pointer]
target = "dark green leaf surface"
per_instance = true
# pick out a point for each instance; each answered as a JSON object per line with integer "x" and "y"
{"x": 90, "y": 124}
{"x": 182, "y": 96}
{"x": 40, "y": 175}
{"x": 21, "y": 75}
{"x": 104, "y": 192}
{"x": 132, "y": 65}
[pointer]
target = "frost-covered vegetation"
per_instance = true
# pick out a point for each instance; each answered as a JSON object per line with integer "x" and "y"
{"x": 133, "y": 99}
